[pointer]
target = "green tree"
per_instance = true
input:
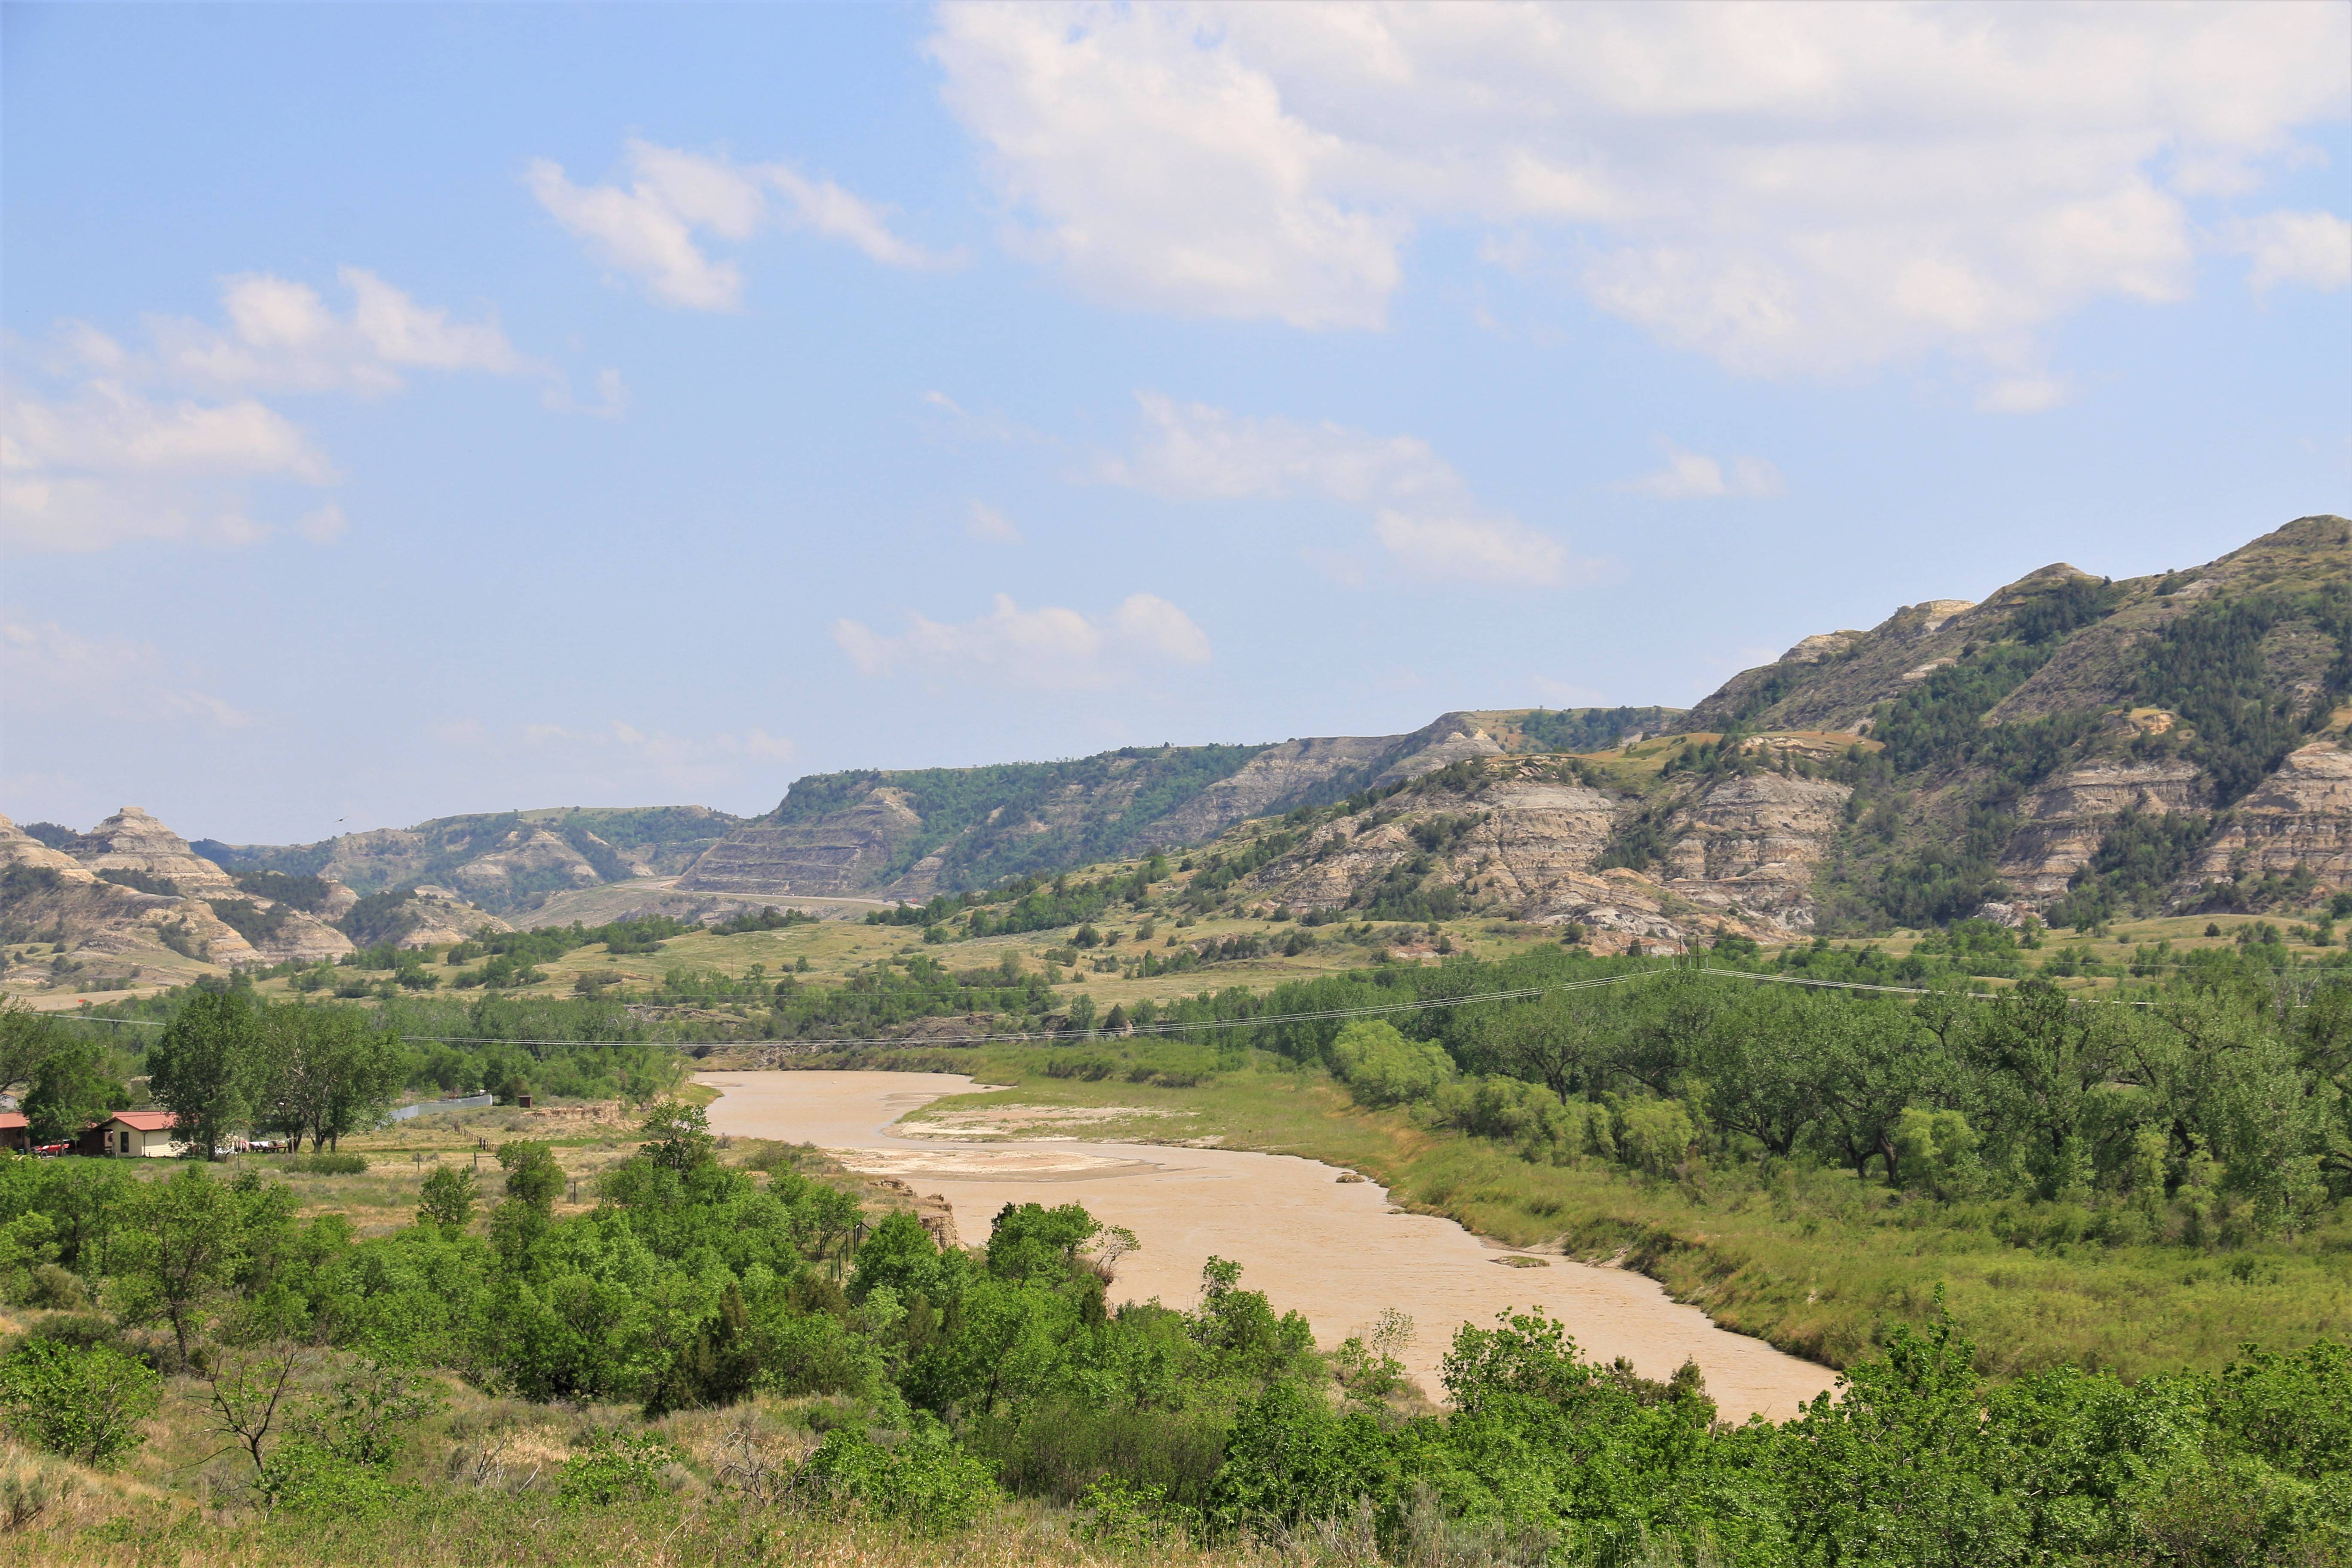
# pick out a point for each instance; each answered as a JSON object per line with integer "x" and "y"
{"x": 323, "y": 1071}
{"x": 181, "y": 1248}
{"x": 83, "y": 1403}
{"x": 677, "y": 1136}
{"x": 199, "y": 1069}
{"x": 27, "y": 1038}
{"x": 533, "y": 1178}
{"x": 71, "y": 1089}
{"x": 1381, "y": 1066}
{"x": 447, "y": 1198}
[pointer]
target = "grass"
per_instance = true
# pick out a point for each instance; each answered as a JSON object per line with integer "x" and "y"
{"x": 1815, "y": 1260}
{"x": 475, "y": 1485}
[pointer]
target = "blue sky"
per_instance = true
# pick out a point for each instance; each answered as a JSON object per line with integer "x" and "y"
{"x": 415, "y": 409}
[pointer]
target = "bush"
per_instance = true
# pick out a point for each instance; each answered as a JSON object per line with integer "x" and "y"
{"x": 83, "y": 1404}
{"x": 1654, "y": 1135}
{"x": 306, "y": 1477}
{"x": 613, "y": 1469}
{"x": 927, "y": 1482}
{"x": 1381, "y": 1066}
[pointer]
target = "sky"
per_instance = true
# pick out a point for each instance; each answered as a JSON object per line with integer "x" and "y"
{"x": 420, "y": 409}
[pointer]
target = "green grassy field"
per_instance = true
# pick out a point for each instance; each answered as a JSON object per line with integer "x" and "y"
{"x": 1815, "y": 1261}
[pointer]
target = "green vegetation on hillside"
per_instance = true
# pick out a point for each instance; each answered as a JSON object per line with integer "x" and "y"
{"x": 989, "y": 824}
{"x": 2209, "y": 667}
{"x": 1590, "y": 729}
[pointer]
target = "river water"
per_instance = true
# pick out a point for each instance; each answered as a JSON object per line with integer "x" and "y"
{"x": 1332, "y": 1249}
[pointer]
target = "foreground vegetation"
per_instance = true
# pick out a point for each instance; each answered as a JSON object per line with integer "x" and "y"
{"x": 717, "y": 1356}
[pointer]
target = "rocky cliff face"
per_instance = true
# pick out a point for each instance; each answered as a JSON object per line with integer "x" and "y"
{"x": 1751, "y": 847}
{"x": 507, "y": 862}
{"x": 1272, "y": 781}
{"x": 859, "y": 839}
{"x": 131, "y": 840}
{"x": 2301, "y": 816}
{"x": 844, "y": 852}
{"x": 1741, "y": 855}
{"x": 525, "y": 856}
{"x": 66, "y": 894}
{"x": 2064, "y": 821}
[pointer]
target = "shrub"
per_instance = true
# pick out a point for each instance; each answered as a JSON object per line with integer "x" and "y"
{"x": 927, "y": 1481}
{"x": 306, "y": 1477}
{"x": 613, "y": 1469}
{"x": 1381, "y": 1066}
{"x": 1652, "y": 1135}
{"x": 84, "y": 1404}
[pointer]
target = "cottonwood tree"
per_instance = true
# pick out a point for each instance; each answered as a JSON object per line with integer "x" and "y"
{"x": 27, "y": 1039}
{"x": 1561, "y": 1042}
{"x": 199, "y": 1069}
{"x": 71, "y": 1089}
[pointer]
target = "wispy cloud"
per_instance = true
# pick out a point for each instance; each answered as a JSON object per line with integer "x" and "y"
{"x": 107, "y": 442}
{"x": 991, "y": 526}
{"x": 655, "y": 227}
{"x": 1695, "y": 476}
{"x": 1422, "y": 511}
{"x": 1049, "y": 648}
{"x": 48, "y": 669}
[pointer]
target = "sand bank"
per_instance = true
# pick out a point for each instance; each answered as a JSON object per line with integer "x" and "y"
{"x": 1334, "y": 1250}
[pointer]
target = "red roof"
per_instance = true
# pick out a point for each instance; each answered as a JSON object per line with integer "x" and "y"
{"x": 144, "y": 1120}
{"x": 11, "y": 1120}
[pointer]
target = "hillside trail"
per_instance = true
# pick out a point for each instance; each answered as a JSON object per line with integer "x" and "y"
{"x": 1336, "y": 1252}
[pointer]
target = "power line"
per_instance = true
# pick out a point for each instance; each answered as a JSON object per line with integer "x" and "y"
{"x": 1157, "y": 1029}
{"x": 1419, "y": 1004}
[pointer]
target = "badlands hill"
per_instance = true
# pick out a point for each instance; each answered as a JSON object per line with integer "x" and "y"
{"x": 2072, "y": 747}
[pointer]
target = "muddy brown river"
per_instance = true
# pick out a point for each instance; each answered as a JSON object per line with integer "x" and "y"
{"x": 1333, "y": 1250}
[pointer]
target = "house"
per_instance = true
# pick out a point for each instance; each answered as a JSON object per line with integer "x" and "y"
{"x": 14, "y": 1136}
{"x": 148, "y": 1132}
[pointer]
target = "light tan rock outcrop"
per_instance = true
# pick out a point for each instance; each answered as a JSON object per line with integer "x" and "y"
{"x": 2062, "y": 822}
{"x": 525, "y": 853}
{"x": 18, "y": 848}
{"x": 841, "y": 852}
{"x": 1274, "y": 775}
{"x": 2300, "y": 815}
{"x": 131, "y": 840}
{"x": 1751, "y": 845}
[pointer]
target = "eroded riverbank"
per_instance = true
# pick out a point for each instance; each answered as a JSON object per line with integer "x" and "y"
{"x": 1336, "y": 1252}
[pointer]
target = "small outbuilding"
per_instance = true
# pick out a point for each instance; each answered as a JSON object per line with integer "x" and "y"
{"x": 14, "y": 1136}
{"x": 154, "y": 1133}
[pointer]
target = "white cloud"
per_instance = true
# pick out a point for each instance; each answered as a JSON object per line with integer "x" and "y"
{"x": 46, "y": 669}
{"x": 1049, "y": 648}
{"x": 991, "y": 526}
{"x": 281, "y": 335}
{"x": 650, "y": 230}
{"x": 108, "y": 466}
{"x": 1694, "y": 474}
{"x": 1501, "y": 551}
{"x": 1194, "y": 451}
{"x": 111, "y": 449}
{"x": 2313, "y": 249}
{"x": 1787, "y": 189}
{"x": 2025, "y": 395}
{"x": 1424, "y": 514}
